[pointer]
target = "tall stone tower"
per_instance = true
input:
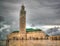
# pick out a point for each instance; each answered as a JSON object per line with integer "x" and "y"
{"x": 22, "y": 20}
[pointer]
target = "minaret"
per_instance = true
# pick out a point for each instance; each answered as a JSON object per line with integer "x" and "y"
{"x": 22, "y": 20}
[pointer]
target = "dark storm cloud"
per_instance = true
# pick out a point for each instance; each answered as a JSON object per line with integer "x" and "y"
{"x": 1, "y": 18}
{"x": 45, "y": 12}
{"x": 53, "y": 31}
{"x": 8, "y": 12}
{"x": 39, "y": 12}
{"x": 11, "y": 1}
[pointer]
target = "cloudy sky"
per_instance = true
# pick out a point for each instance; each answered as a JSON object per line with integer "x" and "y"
{"x": 42, "y": 13}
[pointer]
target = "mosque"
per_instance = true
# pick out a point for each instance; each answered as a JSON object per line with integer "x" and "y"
{"x": 23, "y": 34}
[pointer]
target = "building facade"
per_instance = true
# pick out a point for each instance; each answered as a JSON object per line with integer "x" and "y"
{"x": 54, "y": 37}
{"x": 15, "y": 37}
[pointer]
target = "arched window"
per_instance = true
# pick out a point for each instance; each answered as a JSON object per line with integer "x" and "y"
{"x": 30, "y": 38}
{"x": 7, "y": 40}
{"x": 59, "y": 38}
{"x": 37, "y": 38}
{"x": 15, "y": 38}
{"x": 33, "y": 38}
{"x": 22, "y": 38}
{"x": 46, "y": 38}
{"x": 55, "y": 38}
{"x": 41, "y": 38}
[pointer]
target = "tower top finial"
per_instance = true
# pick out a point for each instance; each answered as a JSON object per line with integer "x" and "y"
{"x": 23, "y": 7}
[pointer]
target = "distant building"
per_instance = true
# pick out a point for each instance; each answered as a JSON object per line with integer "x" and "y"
{"x": 54, "y": 37}
{"x": 24, "y": 34}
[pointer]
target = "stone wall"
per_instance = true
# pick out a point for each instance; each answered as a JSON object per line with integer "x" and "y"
{"x": 36, "y": 35}
{"x": 54, "y": 37}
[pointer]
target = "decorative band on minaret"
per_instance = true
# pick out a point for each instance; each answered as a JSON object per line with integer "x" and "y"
{"x": 23, "y": 20}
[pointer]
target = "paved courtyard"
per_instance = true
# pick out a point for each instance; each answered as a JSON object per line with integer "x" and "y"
{"x": 35, "y": 42}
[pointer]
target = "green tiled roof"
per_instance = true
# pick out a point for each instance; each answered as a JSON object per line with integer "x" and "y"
{"x": 15, "y": 31}
{"x": 28, "y": 30}
{"x": 31, "y": 30}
